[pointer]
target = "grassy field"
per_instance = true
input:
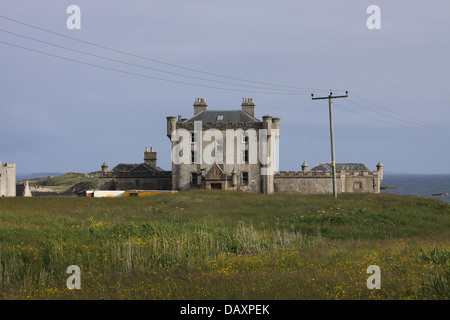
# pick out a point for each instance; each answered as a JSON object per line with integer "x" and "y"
{"x": 66, "y": 181}
{"x": 225, "y": 245}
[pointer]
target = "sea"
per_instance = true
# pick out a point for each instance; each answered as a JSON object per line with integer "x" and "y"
{"x": 435, "y": 186}
{"x": 424, "y": 185}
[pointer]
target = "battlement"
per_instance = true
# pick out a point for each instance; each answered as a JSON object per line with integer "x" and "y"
{"x": 319, "y": 181}
{"x": 316, "y": 174}
{"x": 139, "y": 174}
{"x": 221, "y": 126}
{"x": 8, "y": 165}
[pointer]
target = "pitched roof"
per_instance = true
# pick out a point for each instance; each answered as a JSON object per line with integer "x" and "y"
{"x": 135, "y": 167}
{"x": 233, "y": 116}
{"x": 341, "y": 167}
{"x": 215, "y": 173}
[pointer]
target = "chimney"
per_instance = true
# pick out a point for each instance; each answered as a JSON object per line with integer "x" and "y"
{"x": 150, "y": 157}
{"x": 248, "y": 106}
{"x": 200, "y": 105}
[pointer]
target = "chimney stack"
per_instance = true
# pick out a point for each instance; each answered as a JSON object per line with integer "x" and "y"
{"x": 248, "y": 106}
{"x": 150, "y": 157}
{"x": 200, "y": 105}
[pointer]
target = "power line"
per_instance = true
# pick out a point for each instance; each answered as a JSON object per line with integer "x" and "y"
{"x": 154, "y": 60}
{"x": 148, "y": 68}
{"x": 380, "y": 120}
{"x": 396, "y": 118}
{"x": 289, "y": 90}
{"x": 213, "y": 87}
{"x": 402, "y": 115}
{"x": 133, "y": 73}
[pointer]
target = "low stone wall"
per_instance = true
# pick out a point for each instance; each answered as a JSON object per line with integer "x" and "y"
{"x": 135, "y": 180}
{"x": 313, "y": 182}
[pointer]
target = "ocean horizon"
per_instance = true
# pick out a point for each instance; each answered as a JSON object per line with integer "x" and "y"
{"x": 434, "y": 186}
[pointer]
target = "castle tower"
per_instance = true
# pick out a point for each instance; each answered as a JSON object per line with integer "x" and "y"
{"x": 380, "y": 170}
{"x": 240, "y": 168}
{"x": 104, "y": 167}
{"x": 276, "y": 123}
{"x": 304, "y": 167}
{"x": 267, "y": 173}
{"x": 171, "y": 125}
{"x": 7, "y": 179}
{"x": 267, "y": 124}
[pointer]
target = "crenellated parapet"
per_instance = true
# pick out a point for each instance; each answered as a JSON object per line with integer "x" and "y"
{"x": 138, "y": 174}
{"x": 303, "y": 174}
{"x": 360, "y": 180}
{"x": 220, "y": 125}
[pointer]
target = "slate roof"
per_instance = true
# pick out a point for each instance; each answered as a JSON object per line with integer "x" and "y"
{"x": 233, "y": 116}
{"x": 135, "y": 167}
{"x": 341, "y": 167}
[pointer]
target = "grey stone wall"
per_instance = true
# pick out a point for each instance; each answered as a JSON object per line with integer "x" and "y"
{"x": 7, "y": 179}
{"x": 321, "y": 182}
{"x": 135, "y": 181}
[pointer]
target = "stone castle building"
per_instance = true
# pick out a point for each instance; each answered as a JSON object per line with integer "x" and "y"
{"x": 233, "y": 150}
{"x": 235, "y": 132}
{"x": 136, "y": 176}
{"x": 7, "y": 179}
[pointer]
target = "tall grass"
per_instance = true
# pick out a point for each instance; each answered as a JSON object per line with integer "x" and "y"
{"x": 440, "y": 282}
{"x": 216, "y": 245}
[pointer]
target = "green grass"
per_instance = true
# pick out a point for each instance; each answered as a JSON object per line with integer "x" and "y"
{"x": 65, "y": 181}
{"x": 225, "y": 245}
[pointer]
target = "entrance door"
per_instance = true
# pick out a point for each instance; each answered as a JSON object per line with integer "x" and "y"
{"x": 216, "y": 186}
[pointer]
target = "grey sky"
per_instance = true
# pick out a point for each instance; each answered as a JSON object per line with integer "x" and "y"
{"x": 58, "y": 115}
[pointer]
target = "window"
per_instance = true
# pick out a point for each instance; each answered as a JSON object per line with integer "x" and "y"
{"x": 193, "y": 156}
{"x": 357, "y": 185}
{"x": 219, "y": 145}
{"x": 244, "y": 137}
{"x": 244, "y": 178}
{"x": 244, "y": 156}
{"x": 193, "y": 137}
{"x": 220, "y": 118}
{"x": 134, "y": 194}
{"x": 194, "y": 177}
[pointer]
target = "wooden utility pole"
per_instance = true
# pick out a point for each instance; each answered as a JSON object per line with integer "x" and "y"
{"x": 333, "y": 163}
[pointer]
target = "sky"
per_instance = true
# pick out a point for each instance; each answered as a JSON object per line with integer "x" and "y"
{"x": 72, "y": 99}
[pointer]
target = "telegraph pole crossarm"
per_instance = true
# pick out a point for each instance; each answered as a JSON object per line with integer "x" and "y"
{"x": 333, "y": 163}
